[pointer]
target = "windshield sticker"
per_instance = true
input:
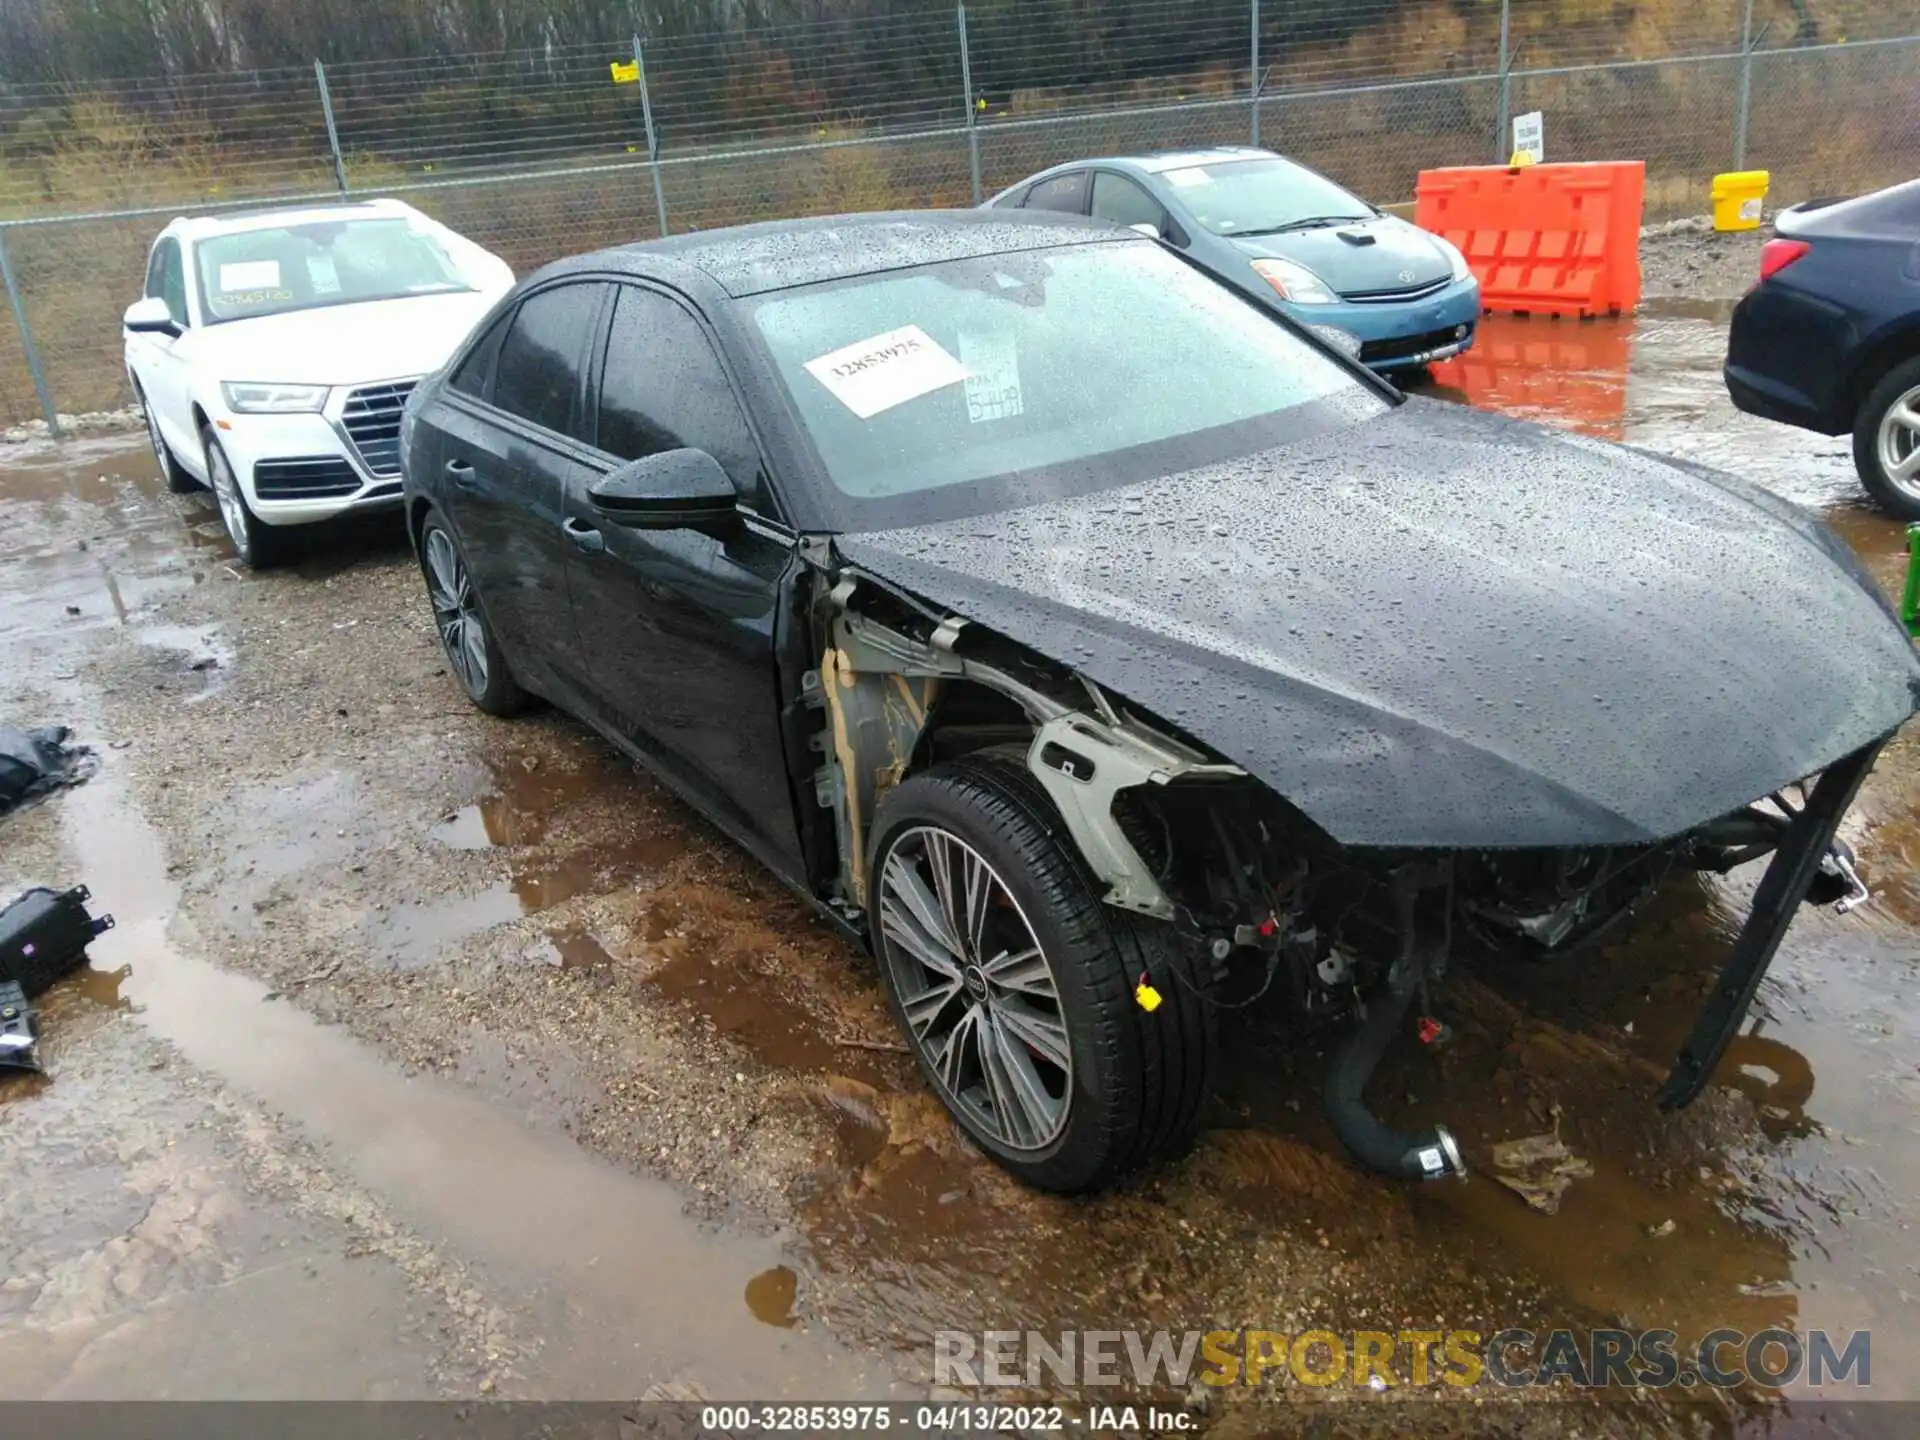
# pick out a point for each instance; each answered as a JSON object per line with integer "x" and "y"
{"x": 1181, "y": 179}
{"x": 250, "y": 275}
{"x": 323, "y": 274}
{"x": 870, "y": 376}
{"x": 993, "y": 376}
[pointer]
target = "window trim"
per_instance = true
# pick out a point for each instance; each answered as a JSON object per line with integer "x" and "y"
{"x": 533, "y": 428}
{"x": 483, "y": 336}
{"x": 1171, "y": 230}
{"x": 186, "y": 320}
{"x": 1082, "y": 173}
{"x": 777, "y": 508}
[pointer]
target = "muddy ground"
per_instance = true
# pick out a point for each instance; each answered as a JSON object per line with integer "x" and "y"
{"x": 435, "y": 1055}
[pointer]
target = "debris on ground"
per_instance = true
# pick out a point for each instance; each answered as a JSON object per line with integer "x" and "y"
{"x": 44, "y": 936}
{"x": 1539, "y": 1168}
{"x": 17, "y": 1030}
{"x": 33, "y": 762}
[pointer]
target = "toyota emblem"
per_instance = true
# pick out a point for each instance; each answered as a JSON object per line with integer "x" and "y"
{"x": 1406, "y": 277}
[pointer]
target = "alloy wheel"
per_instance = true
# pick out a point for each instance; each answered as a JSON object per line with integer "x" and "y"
{"x": 1899, "y": 443}
{"x": 981, "y": 1001}
{"x": 456, "y": 612}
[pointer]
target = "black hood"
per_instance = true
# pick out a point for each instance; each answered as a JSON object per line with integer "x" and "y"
{"x": 1447, "y": 628}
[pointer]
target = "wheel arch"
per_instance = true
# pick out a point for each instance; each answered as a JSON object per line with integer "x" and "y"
{"x": 903, "y": 689}
{"x": 1893, "y": 346}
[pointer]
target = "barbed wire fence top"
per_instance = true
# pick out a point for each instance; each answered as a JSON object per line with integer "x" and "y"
{"x": 544, "y": 152}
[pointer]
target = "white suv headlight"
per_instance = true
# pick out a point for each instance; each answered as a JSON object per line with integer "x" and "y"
{"x": 248, "y": 398}
{"x": 1461, "y": 270}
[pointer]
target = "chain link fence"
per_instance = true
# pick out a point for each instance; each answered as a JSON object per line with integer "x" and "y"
{"x": 543, "y": 153}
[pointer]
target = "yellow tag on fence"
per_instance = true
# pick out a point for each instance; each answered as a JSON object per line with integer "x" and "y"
{"x": 627, "y": 74}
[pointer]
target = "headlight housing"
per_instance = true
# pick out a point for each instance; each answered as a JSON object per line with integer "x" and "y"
{"x": 1461, "y": 270}
{"x": 246, "y": 397}
{"x": 1294, "y": 282}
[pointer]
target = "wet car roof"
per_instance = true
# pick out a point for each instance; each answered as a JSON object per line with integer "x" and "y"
{"x": 779, "y": 254}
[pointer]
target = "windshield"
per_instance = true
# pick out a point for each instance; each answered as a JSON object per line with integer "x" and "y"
{"x": 1259, "y": 197}
{"x": 321, "y": 262}
{"x": 1002, "y": 380}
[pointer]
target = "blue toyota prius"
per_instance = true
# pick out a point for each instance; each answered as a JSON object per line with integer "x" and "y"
{"x": 1372, "y": 284}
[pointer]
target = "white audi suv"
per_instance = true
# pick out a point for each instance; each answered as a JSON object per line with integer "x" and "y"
{"x": 273, "y": 352}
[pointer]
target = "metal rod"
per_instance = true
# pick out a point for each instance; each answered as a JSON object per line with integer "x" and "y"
{"x": 966, "y": 84}
{"x": 333, "y": 134}
{"x": 653, "y": 137}
{"x": 1776, "y": 900}
{"x": 1253, "y": 72}
{"x": 1501, "y": 123}
{"x": 27, "y": 347}
{"x": 1746, "y": 87}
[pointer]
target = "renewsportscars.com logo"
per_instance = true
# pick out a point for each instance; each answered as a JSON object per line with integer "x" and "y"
{"x": 1380, "y": 1359}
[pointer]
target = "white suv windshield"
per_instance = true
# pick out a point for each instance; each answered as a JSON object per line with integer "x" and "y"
{"x": 1016, "y": 365}
{"x": 307, "y": 264}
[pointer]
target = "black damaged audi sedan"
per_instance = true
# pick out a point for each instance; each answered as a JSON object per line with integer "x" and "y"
{"x": 1100, "y": 650}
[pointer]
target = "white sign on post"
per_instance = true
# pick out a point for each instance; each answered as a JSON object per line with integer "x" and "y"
{"x": 1529, "y": 138}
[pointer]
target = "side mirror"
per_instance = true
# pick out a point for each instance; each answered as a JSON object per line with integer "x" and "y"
{"x": 1148, "y": 229}
{"x": 673, "y": 490}
{"x": 149, "y": 316}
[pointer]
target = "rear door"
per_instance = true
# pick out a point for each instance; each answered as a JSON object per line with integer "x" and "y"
{"x": 511, "y": 424}
{"x": 677, "y": 626}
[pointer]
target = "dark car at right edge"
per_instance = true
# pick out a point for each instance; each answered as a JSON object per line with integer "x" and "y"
{"x": 1829, "y": 339}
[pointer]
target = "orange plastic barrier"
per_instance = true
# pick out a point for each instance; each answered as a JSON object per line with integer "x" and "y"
{"x": 1559, "y": 372}
{"x": 1543, "y": 239}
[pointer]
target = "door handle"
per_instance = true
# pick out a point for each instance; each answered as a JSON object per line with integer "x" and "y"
{"x": 586, "y": 539}
{"x": 462, "y": 475}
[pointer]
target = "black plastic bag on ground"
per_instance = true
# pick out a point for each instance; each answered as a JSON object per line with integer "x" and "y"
{"x": 32, "y": 762}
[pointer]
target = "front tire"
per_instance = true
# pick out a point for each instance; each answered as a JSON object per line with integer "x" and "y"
{"x": 466, "y": 639}
{"x": 1014, "y": 983}
{"x": 260, "y": 546}
{"x": 1886, "y": 441}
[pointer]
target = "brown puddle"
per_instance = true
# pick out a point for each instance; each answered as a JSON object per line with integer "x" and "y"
{"x": 771, "y": 1295}
{"x": 716, "y": 955}
{"x": 620, "y": 1276}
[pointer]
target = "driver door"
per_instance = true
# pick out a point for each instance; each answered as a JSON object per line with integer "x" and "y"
{"x": 676, "y": 627}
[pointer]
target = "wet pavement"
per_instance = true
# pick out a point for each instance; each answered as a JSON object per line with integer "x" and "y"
{"x": 436, "y": 1055}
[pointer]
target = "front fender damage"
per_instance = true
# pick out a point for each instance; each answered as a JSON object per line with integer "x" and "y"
{"x": 879, "y": 685}
{"x": 1183, "y": 837}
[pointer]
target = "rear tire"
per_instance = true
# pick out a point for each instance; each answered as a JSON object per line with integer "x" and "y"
{"x": 260, "y": 546}
{"x": 1886, "y": 441}
{"x": 1126, "y": 1086}
{"x": 466, "y": 639}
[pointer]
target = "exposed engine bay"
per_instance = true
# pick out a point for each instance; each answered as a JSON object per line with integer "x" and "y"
{"x": 1262, "y": 901}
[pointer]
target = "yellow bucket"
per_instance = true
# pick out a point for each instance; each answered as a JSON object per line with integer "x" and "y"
{"x": 1737, "y": 199}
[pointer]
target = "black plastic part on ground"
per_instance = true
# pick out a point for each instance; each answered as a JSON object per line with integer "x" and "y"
{"x": 17, "y": 1030}
{"x": 44, "y": 935}
{"x": 33, "y": 762}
